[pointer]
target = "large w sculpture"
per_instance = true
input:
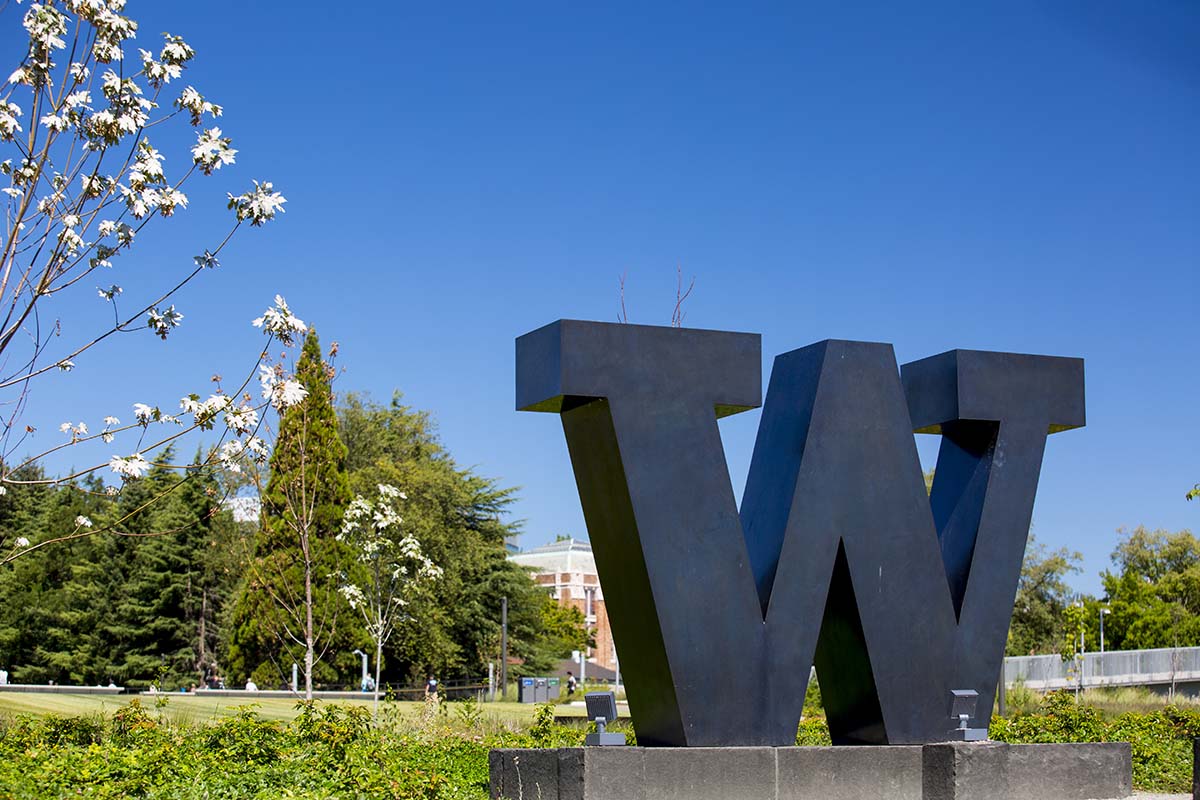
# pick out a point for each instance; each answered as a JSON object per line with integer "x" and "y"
{"x": 838, "y": 558}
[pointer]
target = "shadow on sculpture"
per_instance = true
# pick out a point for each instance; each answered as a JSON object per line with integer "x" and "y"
{"x": 837, "y": 558}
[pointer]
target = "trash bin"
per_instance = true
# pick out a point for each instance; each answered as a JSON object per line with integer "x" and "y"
{"x": 527, "y": 693}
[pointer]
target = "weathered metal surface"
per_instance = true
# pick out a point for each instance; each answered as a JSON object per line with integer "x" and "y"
{"x": 837, "y": 558}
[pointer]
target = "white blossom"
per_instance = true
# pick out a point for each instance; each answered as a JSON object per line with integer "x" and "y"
{"x": 82, "y": 522}
{"x": 111, "y": 420}
{"x": 129, "y": 468}
{"x": 46, "y": 26}
{"x": 80, "y": 99}
{"x": 258, "y": 206}
{"x": 157, "y": 72}
{"x": 147, "y": 168}
{"x": 55, "y": 122}
{"x": 9, "y": 126}
{"x": 279, "y": 321}
{"x": 176, "y": 50}
{"x": 257, "y": 448}
{"x": 287, "y": 393}
{"x": 144, "y": 413}
{"x": 212, "y": 151}
{"x": 231, "y": 450}
{"x": 241, "y": 420}
{"x": 66, "y": 365}
{"x": 353, "y": 594}
{"x": 163, "y": 322}
{"x": 110, "y": 292}
{"x": 22, "y": 542}
{"x": 192, "y": 102}
{"x": 389, "y": 492}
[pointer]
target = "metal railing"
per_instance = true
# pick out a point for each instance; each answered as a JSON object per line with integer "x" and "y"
{"x": 1115, "y": 668}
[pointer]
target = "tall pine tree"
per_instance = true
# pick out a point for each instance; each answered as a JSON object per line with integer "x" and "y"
{"x": 288, "y": 609}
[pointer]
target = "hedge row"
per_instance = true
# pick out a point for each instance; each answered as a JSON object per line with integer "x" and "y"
{"x": 336, "y": 752}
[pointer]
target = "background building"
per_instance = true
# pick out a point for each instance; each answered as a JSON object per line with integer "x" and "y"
{"x": 568, "y": 569}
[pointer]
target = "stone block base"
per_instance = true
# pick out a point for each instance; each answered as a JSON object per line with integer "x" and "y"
{"x": 1027, "y": 771}
{"x": 934, "y": 772}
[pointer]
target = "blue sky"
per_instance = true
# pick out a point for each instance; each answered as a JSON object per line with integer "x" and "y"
{"x": 1016, "y": 176}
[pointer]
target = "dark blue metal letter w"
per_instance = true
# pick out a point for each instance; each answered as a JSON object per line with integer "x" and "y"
{"x": 838, "y": 558}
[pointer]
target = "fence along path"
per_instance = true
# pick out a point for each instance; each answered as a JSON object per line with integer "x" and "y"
{"x": 1169, "y": 665}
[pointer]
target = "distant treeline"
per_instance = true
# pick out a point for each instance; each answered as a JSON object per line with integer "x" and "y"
{"x": 157, "y": 599}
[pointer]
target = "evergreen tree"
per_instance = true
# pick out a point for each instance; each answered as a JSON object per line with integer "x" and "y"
{"x": 55, "y": 602}
{"x": 288, "y": 609}
{"x": 173, "y": 588}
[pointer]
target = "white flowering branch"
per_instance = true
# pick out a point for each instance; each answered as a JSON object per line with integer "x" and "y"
{"x": 395, "y": 567}
{"x": 79, "y": 180}
{"x": 239, "y": 440}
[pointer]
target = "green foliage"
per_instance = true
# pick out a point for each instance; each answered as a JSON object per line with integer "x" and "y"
{"x": 330, "y": 751}
{"x": 132, "y": 608}
{"x": 245, "y": 740}
{"x": 327, "y": 752}
{"x": 812, "y": 700}
{"x": 1074, "y": 626}
{"x": 813, "y": 732}
{"x": 1042, "y": 597}
{"x": 1153, "y": 592}
{"x": 542, "y": 730}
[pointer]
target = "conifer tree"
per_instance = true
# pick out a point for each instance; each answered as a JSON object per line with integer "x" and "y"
{"x": 288, "y": 609}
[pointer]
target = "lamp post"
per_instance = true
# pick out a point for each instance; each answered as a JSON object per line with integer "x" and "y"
{"x": 1103, "y": 612}
{"x": 1079, "y": 657}
{"x": 363, "y": 656}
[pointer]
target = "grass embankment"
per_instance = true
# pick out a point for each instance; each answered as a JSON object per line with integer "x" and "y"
{"x": 199, "y": 709}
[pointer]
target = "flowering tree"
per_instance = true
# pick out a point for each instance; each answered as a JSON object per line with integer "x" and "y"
{"x": 395, "y": 567}
{"x": 80, "y": 179}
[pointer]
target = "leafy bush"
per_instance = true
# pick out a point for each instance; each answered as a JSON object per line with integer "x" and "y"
{"x": 813, "y": 732}
{"x": 332, "y": 751}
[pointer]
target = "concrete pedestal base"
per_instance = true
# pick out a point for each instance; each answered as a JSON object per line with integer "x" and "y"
{"x": 1027, "y": 771}
{"x": 936, "y": 772}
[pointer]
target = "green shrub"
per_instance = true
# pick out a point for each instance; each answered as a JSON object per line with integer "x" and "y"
{"x": 812, "y": 732}
{"x": 332, "y": 751}
{"x": 812, "y": 700}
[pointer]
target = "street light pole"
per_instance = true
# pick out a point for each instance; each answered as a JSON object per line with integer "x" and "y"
{"x": 503, "y": 646}
{"x": 1103, "y": 612}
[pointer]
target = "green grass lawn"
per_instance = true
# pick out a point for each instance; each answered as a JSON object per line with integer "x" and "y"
{"x": 199, "y": 708}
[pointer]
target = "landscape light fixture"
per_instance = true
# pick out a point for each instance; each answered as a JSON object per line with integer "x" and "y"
{"x": 602, "y": 709}
{"x": 962, "y": 708}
